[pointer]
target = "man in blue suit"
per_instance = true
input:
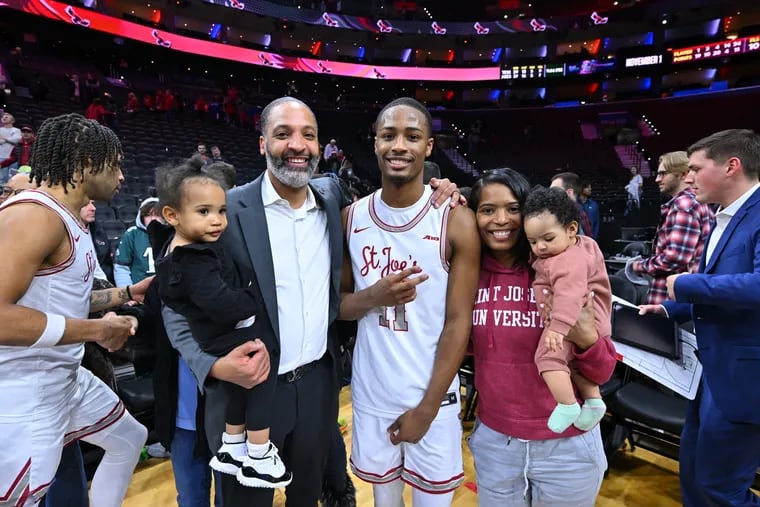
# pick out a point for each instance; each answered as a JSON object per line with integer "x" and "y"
{"x": 720, "y": 443}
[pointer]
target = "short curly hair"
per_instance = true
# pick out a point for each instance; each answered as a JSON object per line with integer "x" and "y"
{"x": 414, "y": 104}
{"x": 554, "y": 201}
{"x": 741, "y": 143}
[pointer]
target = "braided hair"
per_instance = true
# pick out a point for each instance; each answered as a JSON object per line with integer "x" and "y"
{"x": 69, "y": 143}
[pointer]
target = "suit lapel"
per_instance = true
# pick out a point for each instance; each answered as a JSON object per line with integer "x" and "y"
{"x": 253, "y": 223}
{"x": 703, "y": 260}
{"x": 335, "y": 230}
{"x": 730, "y": 228}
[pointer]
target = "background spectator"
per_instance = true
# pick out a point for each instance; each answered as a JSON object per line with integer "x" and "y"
{"x": 134, "y": 261}
{"x": 24, "y": 148}
{"x": 99, "y": 241}
{"x": 96, "y": 111}
{"x": 216, "y": 154}
{"x": 571, "y": 184}
{"x": 200, "y": 107}
{"x": 10, "y": 136}
{"x": 112, "y": 110}
{"x": 203, "y": 152}
{"x": 148, "y": 102}
{"x": 634, "y": 190}
{"x": 75, "y": 88}
{"x": 15, "y": 185}
{"x": 91, "y": 87}
{"x": 330, "y": 149}
{"x": 592, "y": 209}
{"x": 133, "y": 104}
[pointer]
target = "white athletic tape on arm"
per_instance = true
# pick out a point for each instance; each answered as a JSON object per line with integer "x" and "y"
{"x": 54, "y": 328}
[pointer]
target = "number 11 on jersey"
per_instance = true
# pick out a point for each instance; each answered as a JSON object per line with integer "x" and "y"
{"x": 394, "y": 316}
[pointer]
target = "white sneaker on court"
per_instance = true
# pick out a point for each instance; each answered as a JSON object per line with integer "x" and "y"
{"x": 267, "y": 471}
{"x": 229, "y": 458}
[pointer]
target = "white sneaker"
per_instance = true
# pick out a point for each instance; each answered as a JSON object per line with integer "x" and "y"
{"x": 157, "y": 451}
{"x": 229, "y": 458}
{"x": 266, "y": 472}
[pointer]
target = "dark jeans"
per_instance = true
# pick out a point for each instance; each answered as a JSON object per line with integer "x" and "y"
{"x": 192, "y": 475}
{"x": 69, "y": 488}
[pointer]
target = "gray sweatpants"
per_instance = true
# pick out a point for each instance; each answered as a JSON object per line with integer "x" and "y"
{"x": 561, "y": 472}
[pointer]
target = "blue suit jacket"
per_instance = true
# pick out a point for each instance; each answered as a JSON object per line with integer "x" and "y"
{"x": 723, "y": 300}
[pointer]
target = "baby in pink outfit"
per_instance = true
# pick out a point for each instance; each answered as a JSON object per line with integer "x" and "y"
{"x": 569, "y": 267}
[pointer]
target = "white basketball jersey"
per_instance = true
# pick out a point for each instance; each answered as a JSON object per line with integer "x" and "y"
{"x": 396, "y": 346}
{"x": 63, "y": 289}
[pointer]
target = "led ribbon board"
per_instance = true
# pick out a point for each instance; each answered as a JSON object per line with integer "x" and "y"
{"x": 100, "y": 22}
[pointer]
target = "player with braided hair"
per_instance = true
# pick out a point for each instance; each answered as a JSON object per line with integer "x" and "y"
{"x": 67, "y": 144}
{"x": 47, "y": 399}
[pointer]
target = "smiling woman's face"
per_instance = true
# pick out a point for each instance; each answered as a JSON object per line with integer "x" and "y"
{"x": 499, "y": 219}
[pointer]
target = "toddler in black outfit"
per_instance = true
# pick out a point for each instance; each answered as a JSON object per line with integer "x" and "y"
{"x": 198, "y": 281}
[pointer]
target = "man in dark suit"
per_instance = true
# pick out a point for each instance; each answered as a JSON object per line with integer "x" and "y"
{"x": 286, "y": 231}
{"x": 281, "y": 213}
{"x": 720, "y": 443}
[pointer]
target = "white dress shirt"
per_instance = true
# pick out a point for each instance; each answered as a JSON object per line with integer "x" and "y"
{"x": 301, "y": 257}
{"x": 723, "y": 217}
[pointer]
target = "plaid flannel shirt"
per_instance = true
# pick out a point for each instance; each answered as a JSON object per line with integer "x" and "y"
{"x": 678, "y": 245}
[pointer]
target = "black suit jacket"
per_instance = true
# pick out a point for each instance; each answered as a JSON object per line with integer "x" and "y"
{"x": 246, "y": 241}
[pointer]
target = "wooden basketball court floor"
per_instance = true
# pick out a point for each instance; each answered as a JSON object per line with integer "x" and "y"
{"x": 636, "y": 479}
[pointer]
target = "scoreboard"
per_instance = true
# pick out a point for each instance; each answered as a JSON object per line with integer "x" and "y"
{"x": 717, "y": 49}
{"x": 551, "y": 70}
{"x": 630, "y": 60}
{"x": 531, "y": 71}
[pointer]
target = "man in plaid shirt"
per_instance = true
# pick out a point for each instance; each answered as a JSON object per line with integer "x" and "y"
{"x": 683, "y": 230}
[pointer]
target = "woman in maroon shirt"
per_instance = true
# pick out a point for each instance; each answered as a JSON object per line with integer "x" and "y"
{"x": 518, "y": 459}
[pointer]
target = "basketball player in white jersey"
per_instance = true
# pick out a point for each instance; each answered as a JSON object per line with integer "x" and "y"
{"x": 413, "y": 330}
{"x": 47, "y": 399}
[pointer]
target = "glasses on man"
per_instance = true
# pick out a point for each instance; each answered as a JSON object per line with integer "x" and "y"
{"x": 9, "y": 191}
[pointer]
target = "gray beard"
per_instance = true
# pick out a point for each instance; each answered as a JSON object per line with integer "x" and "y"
{"x": 293, "y": 178}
